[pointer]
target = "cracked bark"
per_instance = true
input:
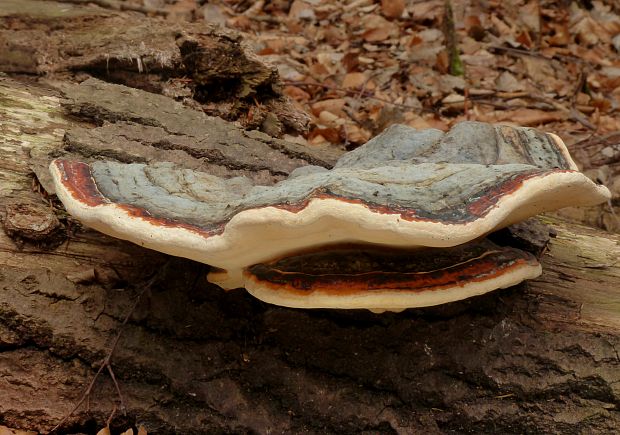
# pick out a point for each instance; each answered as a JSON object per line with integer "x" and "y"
{"x": 541, "y": 357}
{"x": 205, "y": 66}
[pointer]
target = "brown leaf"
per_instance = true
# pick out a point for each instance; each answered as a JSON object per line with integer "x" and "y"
{"x": 586, "y": 30}
{"x": 331, "y": 61}
{"x": 437, "y": 123}
{"x": 317, "y": 139}
{"x": 318, "y": 71}
{"x": 104, "y": 431}
{"x": 329, "y": 119}
{"x": 419, "y": 123}
{"x": 503, "y": 30}
{"x": 300, "y": 10}
{"x": 142, "y": 430}
{"x": 378, "y": 29}
{"x": 354, "y": 80}
{"x": 474, "y": 27}
{"x": 540, "y": 70}
{"x": 392, "y": 8}
{"x": 331, "y": 134}
{"x": 442, "y": 62}
{"x": 427, "y": 10}
{"x": 181, "y": 10}
{"x": 506, "y": 82}
{"x": 529, "y": 15}
{"x": 607, "y": 124}
{"x": 603, "y": 104}
{"x": 240, "y": 22}
{"x": 561, "y": 34}
{"x": 524, "y": 39}
{"x": 355, "y": 134}
{"x": 335, "y": 35}
{"x": 530, "y": 117}
{"x": 8, "y": 431}
{"x": 333, "y": 105}
{"x": 350, "y": 61}
{"x": 296, "y": 93}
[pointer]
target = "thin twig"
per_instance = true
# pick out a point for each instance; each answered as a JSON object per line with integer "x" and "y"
{"x": 539, "y": 21}
{"x": 613, "y": 212}
{"x": 581, "y": 81}
{"x": 109, "y": 420}
{"x": 351, "y": 93}
{"x": 593, "y": 140}
{"x": 106, "y": 361}
{"x": 116, "y": 386}
{"x": 518, "y": 51}
{"x": 571, "y": 113}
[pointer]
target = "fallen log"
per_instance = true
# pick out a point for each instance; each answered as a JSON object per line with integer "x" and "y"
{"x": 193, "y": 358}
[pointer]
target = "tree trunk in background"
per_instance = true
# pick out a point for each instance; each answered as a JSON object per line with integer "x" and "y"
{"x": 540, "y": 357}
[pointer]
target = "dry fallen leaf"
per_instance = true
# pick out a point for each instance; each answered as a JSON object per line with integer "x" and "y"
{"x": 506, "y": 82}
{"x": 296, "y": 93}
{"x": 354, "y": 80}
{"x": 378, "y": 29}
{"x": 300, "y": 10}
{"x": 104, "y": 431}
{"x": 8, "y": 431}
{"x": 355, "y": 134}
{"x": 392, "y": 8}
{"x": 523, "y": 117}
{"x": 333, "y": 105}
{"x": 329, "y": 119}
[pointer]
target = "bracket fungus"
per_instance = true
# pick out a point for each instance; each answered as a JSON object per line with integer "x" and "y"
{"x": 399, "y": 222}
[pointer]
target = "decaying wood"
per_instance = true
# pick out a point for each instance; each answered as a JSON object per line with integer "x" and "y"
{"x": 194, "y": 359}
{"x": 202, "y": 65}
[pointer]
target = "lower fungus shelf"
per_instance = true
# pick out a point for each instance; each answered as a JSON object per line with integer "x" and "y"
{"x": 382, "y": 278}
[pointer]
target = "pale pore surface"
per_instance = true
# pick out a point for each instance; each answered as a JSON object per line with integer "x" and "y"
{"x": 390, "y": 300}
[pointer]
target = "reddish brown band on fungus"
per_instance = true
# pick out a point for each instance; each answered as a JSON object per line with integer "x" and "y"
{"x": 484, "y": 268}
{"x": 77, "y": 178}
{"x": 477, "y": 209}
{"x": 486, "y": 202}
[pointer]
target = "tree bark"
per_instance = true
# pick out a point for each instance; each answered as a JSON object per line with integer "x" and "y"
{"x": 203, "y": 65}
{"x": 540, "y": 357}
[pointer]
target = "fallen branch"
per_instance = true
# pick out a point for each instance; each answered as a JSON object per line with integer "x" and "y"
{"x": 520, "y": 52}
{"x": 351, "y": 93}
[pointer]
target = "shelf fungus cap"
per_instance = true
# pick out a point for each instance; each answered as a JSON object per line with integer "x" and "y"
{"x": 405, "y": 190}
